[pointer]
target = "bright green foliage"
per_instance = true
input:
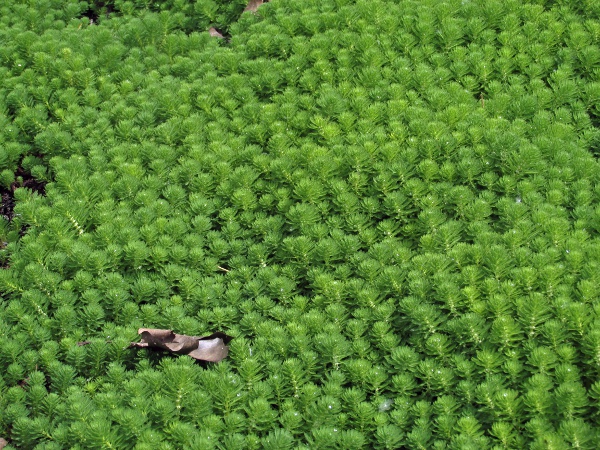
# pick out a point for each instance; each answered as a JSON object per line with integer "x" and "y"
{"x": 392, "y": 206}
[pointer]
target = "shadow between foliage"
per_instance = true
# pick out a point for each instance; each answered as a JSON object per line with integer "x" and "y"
{"x": 104, "y": 9}
{"x": 7, "y": 197}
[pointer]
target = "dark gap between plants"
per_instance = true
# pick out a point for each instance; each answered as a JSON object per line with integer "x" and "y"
{"x": 97, "y": 9}
{"x": 594, "y": 145}
{"x": 7, "y": 195}
{"x": 103, "y": 9}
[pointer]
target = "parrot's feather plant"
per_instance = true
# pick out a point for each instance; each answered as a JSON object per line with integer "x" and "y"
{"x": 392, "y": 206}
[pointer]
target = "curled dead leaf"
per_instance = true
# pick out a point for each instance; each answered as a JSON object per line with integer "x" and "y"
{"x": 3, "y": 443}
{"x": 253, "y": 5}
{"x": 214, "y": 33}
{"x": 211, "y": 348}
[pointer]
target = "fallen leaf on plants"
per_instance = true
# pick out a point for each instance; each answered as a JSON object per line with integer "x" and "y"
{"x": 3, "y": 443}
{"x": 211, "y": 348}
{"x": 253, "y": 5}
{"x": 214, "y": 33}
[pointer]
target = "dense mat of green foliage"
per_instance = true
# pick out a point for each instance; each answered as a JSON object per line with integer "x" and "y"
{"x": 392, "y": 206}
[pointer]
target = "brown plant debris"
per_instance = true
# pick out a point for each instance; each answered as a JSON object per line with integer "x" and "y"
{"x": 253, "y": 5}
{"x": 211, "y": 348}
{"x": 3, "y": 443}
{"x": 214, "y": 33}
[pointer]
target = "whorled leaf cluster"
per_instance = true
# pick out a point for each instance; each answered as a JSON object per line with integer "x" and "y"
{"x": 392, "y": 206}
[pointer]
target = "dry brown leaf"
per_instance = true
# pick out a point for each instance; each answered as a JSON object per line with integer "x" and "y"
{"x": 214, "y": 33}
{"x": 3, "y": 443}
{"x": 253, "y": 5}
{"x": 211, "y": 348}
